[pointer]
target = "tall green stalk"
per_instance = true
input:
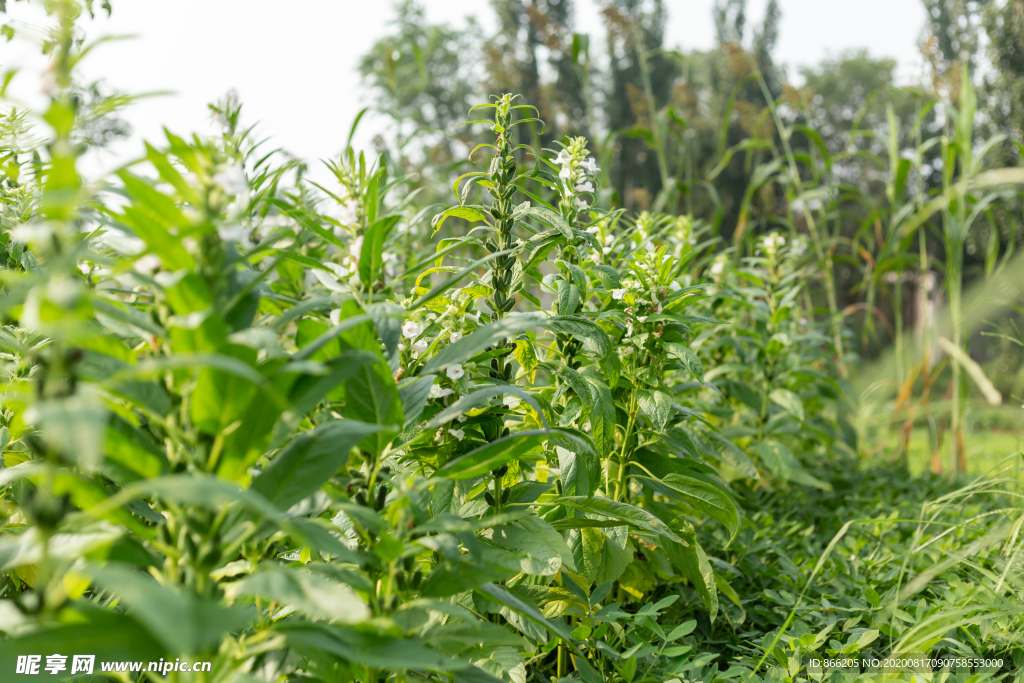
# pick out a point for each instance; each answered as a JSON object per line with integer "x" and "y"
{"x": 824, "y": 255}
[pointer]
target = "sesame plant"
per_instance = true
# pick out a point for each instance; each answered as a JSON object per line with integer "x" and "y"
{"x": 776, "y": 381}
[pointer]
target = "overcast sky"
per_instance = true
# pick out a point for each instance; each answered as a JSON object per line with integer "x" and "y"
{"x": 294, "y": 63}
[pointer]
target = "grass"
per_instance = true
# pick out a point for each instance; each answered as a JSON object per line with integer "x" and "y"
{"x": 986, "y": 450}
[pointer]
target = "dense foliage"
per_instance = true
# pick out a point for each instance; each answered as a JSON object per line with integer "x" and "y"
{"x": 330, "y": 432}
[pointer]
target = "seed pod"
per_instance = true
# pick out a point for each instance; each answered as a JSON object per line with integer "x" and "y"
{"x": 502, "y": 471}
{"x": 382, "y": 494}
{"x": 505, "y": 495}
{"x": 409, "y": 563}
{"x": 361, "y": 498}
{"x": 417, "y": 580}
{"x": 489, "y": 498}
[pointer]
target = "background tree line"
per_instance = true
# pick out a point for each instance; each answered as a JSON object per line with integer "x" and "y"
{"x": 688, "y": 130}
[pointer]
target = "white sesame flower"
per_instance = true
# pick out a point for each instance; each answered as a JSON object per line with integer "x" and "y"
{"x": 232, "y": 233}
{"x": 642, "y": 318}
{"x": 606, "y": 250}
{"x": 512, "y": 402}
{"x": 347, "y": 213}
{"x": 581, "y": 204}
{"x": 338, "y": 269}
{"x": 390, "y": 262}
{"x": 772, "y": 243}
{"x": 717, "y": 267}
{"x": 475, "y": 317}
{"x": 563, "y": 158}
{"x": 617, "y": 294}
{"x": 627, "y": 350}
{"x": 148, "y": 264}
{"x": 356, "y": 249}
{"x": 674, "y": 286}
{"x": 585, "y": 187}
{"x": 455, "y": 371}
{"x": 593, "y": 229}
{"x": 420, "y": 347}
{"x": 411, "y": 329}
{"x": 590, "y": 163}
{"x": 609, "y": 240}
{"x": 457, "y": 433}
{"x": 401, "y": 347}
{"x": 455, "y": 336}
{"x": 565, "y": 173}
{"x": 231, "y": 179}
{"x": 437, "y": 391}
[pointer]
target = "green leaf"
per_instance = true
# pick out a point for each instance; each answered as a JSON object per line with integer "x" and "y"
{"x": 605, "y": 553}
{"x": 594, "y": 339}
{"x": 309, "y": 460}
{"x": 414, "y": 393}
{"x": 464, "y": 212}
{"x": 181, "y": 620}
{"x": 687, "y": 358}
{"x": 528, "y": 611}
{"x": 546, "y": 216}
{"x": 789, "y": 401}
{"x": 541, "y": 550}
{"x": 108, "y": 635}
{"x": 638, "y": 518}
{"x": 370, "y": 257}
{"x": 705, "y": 498}
{"x": 780, "y": 462}
{"x": 693, "y": 562}
{"x": 481, "y": 461}
{"x": 315, "y": 595}
{"x": 475, "y": 675}
{"x": 365, "y": 647}
{"x": 220, "y": 398}
{"x": 478, "y": 398}
{"x": 598, "y": 405}
{"x": 730, "y": 453}
{"x": 482, "y": 339}
{"x": 568, "y": 297}
{"x": 573, "y": 472}
{"x": 504, "y": 661}
{"x": 657, "y": 405}
{"x": 370, "y": 393}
